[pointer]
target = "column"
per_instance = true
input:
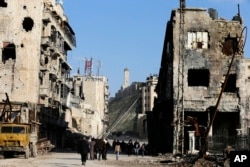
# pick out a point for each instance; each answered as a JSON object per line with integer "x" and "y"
{"x": 191, "y": 142}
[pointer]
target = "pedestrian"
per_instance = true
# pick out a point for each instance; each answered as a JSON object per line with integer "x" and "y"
{"x": 106, "y": 150}
{"x": 117, "y": 149}
{"x": 143, "y": 149}
{"x": 92, "y": 148}
{"x": 89, "y": 140}
{"x": 123, "y": 146}
{"x": 129, "y": 147}
{"x": 83, "y": 149}
{"x": 101, "y": 146}
{"x": 136, "y": 147}
{"x": 113, "y": 144}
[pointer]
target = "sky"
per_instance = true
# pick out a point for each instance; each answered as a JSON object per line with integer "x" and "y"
{"x": 121, "y": 34}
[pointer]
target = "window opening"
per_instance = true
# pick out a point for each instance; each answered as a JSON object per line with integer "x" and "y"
{"x": 197, "y": 40}
{"x": 231, "y": 84}
{"x": 46, "y": 60}
{"x": 198, "y": 77}
{"x": 53, "y": 34}
{"x": 64, "y": 91}
{"x": 41, "y": 77}
{"x": 9, "y": 52}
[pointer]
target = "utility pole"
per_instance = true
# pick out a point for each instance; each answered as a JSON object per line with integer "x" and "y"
{"x": 179, "y": 113}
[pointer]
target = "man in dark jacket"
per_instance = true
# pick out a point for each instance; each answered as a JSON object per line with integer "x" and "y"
{"x": 101, "y": 145}
{"x": 83, "y": 149}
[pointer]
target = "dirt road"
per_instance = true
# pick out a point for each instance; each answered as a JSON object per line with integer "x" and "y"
{"x": 73, "y": 159}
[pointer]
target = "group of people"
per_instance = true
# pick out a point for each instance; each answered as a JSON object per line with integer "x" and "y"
{"x": 93, "y": 147}
{"x": 97, "y": 148}
{"x": 129, "y": 148}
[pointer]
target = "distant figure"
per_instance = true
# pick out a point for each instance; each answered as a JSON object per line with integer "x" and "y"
{"x": 113, "y": 144}
{"x": 136, "y": 147}
{"x": 83, "y": 148}
{"x": 123, "y": 146}
{"x": 92, "y": 148}
{"x": 101, "y": 146}
{"x": 130, "y": 147}
{"x": 199, "y": 132}
{"x": 143, "y": 149}
{"x": 107, "y": 145}
{"x": 117, "y": 149}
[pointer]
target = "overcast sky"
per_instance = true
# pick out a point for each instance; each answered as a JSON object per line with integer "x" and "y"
{"x": 130, "y": 34}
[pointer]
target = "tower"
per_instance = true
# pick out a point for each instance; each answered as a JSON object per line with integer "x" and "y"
{"x": 126, "y": 78}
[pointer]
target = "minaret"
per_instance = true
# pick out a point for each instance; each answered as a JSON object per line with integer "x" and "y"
{"x": 126, "y": 78}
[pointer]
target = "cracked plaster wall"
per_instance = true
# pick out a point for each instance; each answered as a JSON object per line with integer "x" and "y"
{"x": 19, "y": 77}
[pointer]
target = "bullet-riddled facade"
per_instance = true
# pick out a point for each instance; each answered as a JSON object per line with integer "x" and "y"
{"x": 20, "y": 42}
{"x": 191, "y": 79}
{"x": 34, "y": 40}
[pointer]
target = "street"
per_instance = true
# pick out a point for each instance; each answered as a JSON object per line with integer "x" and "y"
{"x": 56, "y": 159}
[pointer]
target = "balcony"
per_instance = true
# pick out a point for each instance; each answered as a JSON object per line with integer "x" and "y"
{"x": 45, "y": 92}
{"x": 69, "y": 33}
{"x": 62, "y": 27}
{"x": 46, "y": 41}
{"x": 56, "y": 97}
{"x": 57, "y": 47}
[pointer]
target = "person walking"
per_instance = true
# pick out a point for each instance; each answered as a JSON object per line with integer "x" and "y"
{"x": 143, "y": 149}
{"x": 101, "y": 146}
{"x": 113, "y": 144}
{"x": 129, "y": 147}
{"x": 136, "y": 147}
{"x": 124, "y": 146}
{"x": 117, "y": 149}
{"x": 92, "y": 148}
{"x": 83, "y": 149}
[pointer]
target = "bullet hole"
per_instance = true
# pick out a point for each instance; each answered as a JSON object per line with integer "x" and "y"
{"x": 22, "y": 45}
{"x": 24, "y": 7}
{"x": 28, "y": 24}
{"x": 3, "y": 3}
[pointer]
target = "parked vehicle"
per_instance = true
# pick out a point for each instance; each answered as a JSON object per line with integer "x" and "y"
{"x": 17, "y": 138}
{"x": 18, "y": 129}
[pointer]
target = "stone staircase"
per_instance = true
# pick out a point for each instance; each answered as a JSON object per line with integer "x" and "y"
{"x": 123, "y": 113}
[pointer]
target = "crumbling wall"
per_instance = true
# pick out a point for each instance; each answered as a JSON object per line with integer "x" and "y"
{"x": 209, "y": 47}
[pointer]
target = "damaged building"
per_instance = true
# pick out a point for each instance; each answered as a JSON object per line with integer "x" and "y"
{"x": 95, "y": 92}
{"x": 199, "y": 48}
{"x": 34, "y": 40}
